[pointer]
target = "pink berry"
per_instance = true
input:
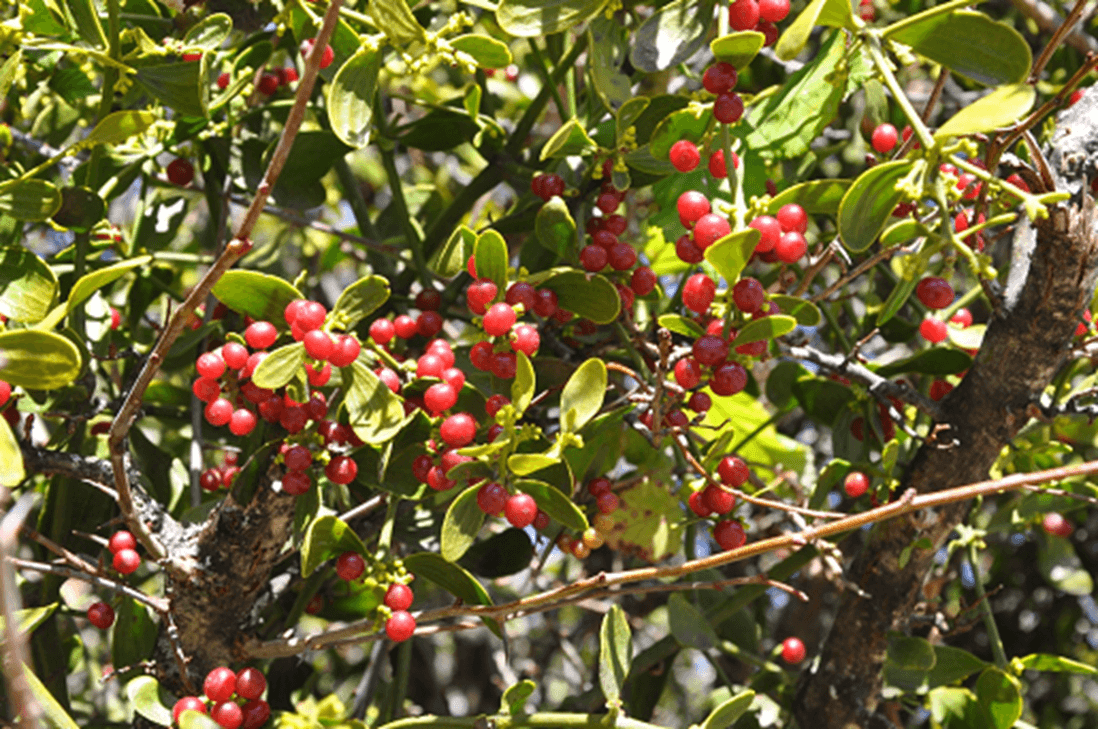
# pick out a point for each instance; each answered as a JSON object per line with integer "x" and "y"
{"x": 1056, "y": 525}
{"x": 121, "y": 540}
{"x": 401, "y": 626}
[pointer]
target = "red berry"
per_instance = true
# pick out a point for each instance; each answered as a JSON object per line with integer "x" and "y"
{"x": 382, "y": 331}
{"x": 121, "y": 540}
{"x": 733, "y": 471}
{"x": 687, "y": 373}
{"x": 743, "y": 15}
{"x": 227, "y": 714}
{"x": 962, "y": 318}
{"x": 698, "y": 293}
{"x": 458, "y": 430}
{"x": 269, "y": 83}
{"x": 934, "y": 292}
{"x": 401, "y": 626}
{"x": 223, "y": 80}
{"x": 884, "y": 138}
{"x": 933, "y": 330}
{"x": 319, "y": 345}
{"x": 520, "y": 510}
{"x": 522, "y": 293}
{"x": 5, "y": 392}
{"x": 326, "y": 56}
{"x": 116, "y": 318}
{"x": 492, "y": 498}
{"x": 717, "y": 166}
{"x": 257, "y": 712}
{"x": 295, "y": 483}
{"x": 250, "y": 683}
{"x": 219, "y": 412}
{"x": 398, "y": 597}
{"x": 188, "y": 703}
{"x": 545, "y": 303}
{"x": 939, "y": 389}
{"x": 720, "y": 77}
{"x": 793, "y": 650}
{"x": 792, "y": 217}
{"x": 526, "y": 339}
{"x": 594, "y": 258}
{"x": 504, "y": 365}
{"x": 260, "y": 334}
{"x": 855, "y": 484}
{"x": 1056, "y": 525}
{"x": 405, "y": 326}
{"x": 709, "y": 229}
{"x": 499, "y": 319}
{"x": 101, "y": 615}
{"x": 697, "y": 504}
{"x": 622, "y": 257}
{"x": 428, "y": 323}
{"x": 691, "y": 206}
{"x": 774, "y": 11}
{"x": 643, "y": 281}
{"x": 341, "y": 470}
{"x": 480, "y": 354}
{"x": 180, "y": 172}
{"x": 729, "y": 534}
{"x": 791, "y": 247}
{"x": 728, "y": 379}
{"x": 350, "y": 566}
{"x": 710, "y": 350}
{"x": 607, "y": 503}
{"x": 718, "y": 500}
{"x": 298, "y": 458}
{"x": 208, "y": 365}
{"x": 770, "y": 232}
{"x": 234, "y": 354}
{"x": 684, "y": 155}
{"x": 242, "y": 422}
{"x": 440, "y": 397}
{"x": 220, "y": 684}
{"x": 749, "y": 295}
{"x": 210, "y": 480}
{"x": 421, "y": 465}
{"x": 728, "y": 108}
{"x": 687, "y": 251}
{"x": 699, "y": 402}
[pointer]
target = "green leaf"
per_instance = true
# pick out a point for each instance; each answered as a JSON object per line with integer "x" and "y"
{"x": 80, "y": 209}
{"x": 27, "y": 286}
{"x": 450, "y": 258}
{"x": 440, "y": 129}
{"x": 522, "y": 389}
{"x": 523, "y": 464}
{"x": 395, "y": 19}
{"x": 11, "y": 458}
{"x": 88, "y": 284}
{"x": 38, "y": 360}
{"x": 359, "y": 300}
{"x": 461, "y": 524}
{"x": 1055, "y": 664}
{"x": 9, "y": 71}
{"x": 53, "y": 714}
{"x": 571, "y": 139}
{"x": 117, "y": 127}
{"x": 902, "y": 232}
{"x": 952, "y": 665}
{"x": 607, "y": 48}
{"x": 817, "y": 197}
{"x": 554, "y": 227}
{"x": 997, "y": 693}
{"x": 910, "y": 653}
{"x": 210, "y": 32}
{"x": 134, "y": 633}
{"x": 327, "y": 537}
{"x": 196, "y": 720}
{"x": 500, "y": 555}
{"x": 515, "y": 697}
{"x": 144, "y": 694}
{"x": 591, "y": 297}
{"x": 823, "y": 399}
{"x": 732, "y": 252}
{"x": 629, "y": 113}
{"x": 765, "y": 328}
{"x": 582, "y": 395}
{"x": 86, "y": 21}
{"x": 491, "y": 258}
{"x": 533, "y": 18}
{"x": 1060, "y": 565}
{"x": 937, "y": 361}
{"x": 555, "y": 503}
{"x": 804, "y": 311}
{"x": 29, "y": 618}
{"x": 615, "y": 654}
{"x": 728, "y": 712}
{"x": 1001, "y": 108}
{"x": 258, "y": 295}
{"x": 779, "y": 383}
{"x": 835, "y": 13}
{"x": 374, "y": 412}
{"x": 1002, "y": 55}
{"x": 971, "y": 337}
{"x": 901, "y": 292}
{"x": 485, "y": 50}
{"x": 869, "y": 203}
{"x": 689, "y": 625}
{"x": 954, "y": 708}
{"x": 351, "y": 98}
{"x": 671, "y": 34}
{"x": 311, "y": 158}
{"x": 448, "y": 576}
{"x": 30, "y": 199}
{"x": 690, "y": 123}
{"x": 681, "y": 325}
{"x": 280, "y": 366}
{"x": 180, "y": 86}
{"x": 738, "y": 48}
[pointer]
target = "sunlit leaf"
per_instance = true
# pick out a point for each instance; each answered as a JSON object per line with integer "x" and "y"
{"x": 615, "y": 654}
{"x": 461, "y": 524}
{"x": 351, "y": 97}
{"x": 327, "y": 537}
{"x": 583, "y": 394}
{"x": 38, "y": 360}
{"x": 27, "y": 286}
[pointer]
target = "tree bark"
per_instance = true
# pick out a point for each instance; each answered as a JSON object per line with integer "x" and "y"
{"x": 1052, "y": 279}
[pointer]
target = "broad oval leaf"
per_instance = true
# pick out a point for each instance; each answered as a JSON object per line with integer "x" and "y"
{"x": 555, "y": 503}
{"x": 522, "y": 388}
{"x": 461, "y": 524}
{"x": 11, "y": 458}
{"x": 533, "y": 18}
{"x": 500, "y": 555}
{"x": 523, "y": 464}
{"x": 732, "y": 252}
{"x": 38, "y": 360}
{"x": 210, "y": 32}
{"x": 590, "y": 296}
{"x": 582, "y": 395}
{"x": 351, "y": 97}
{"x": 491, "y": 258}
{"x": 765, "y": 328}
{"x": 449, "y": 576}
{"x": 835, "y": 13}
{"x": 196, "y": 720}
{"x": 681, "y": 325}
{"x": 485, "y": 50}
{"x": 144, "y": 694}
{"x": 671, "y": 34}
{"x": 89, "y": 284}
{"x": 952, "y": 665}
{"x": 374, "y": 412}
{"x": 910, "y": 653}
{"x": 570, "y": 139}
{"x": 280, "y": 366}
{"x": 28, "y": 286}
{"x": 554, "y": 227}
{"x": 359, "y": 300}
{"x": 895, "y": 301}
{"x": 689, "y": 625}
{"x": 327, "y": 537}
{"x": 739, "y": 49}
{"x": 514, "y": 698}
{"x": 1002, "y": 55}
{"x": 817, "y": 197}
{"x": 615, "y": 654}
{"x": 395, "y": 19}
{"x": 181, "y": 86}
{"x": 30, "y": 199}
{"x": 259, "y": 295}
{"x": 119, "y": 126}
{"x": 1000, "y": 108}
{"x": 728, "y": 712}
{"x": 998, "y": 694}
{"x": 869, "y": 203}
{"x": 804, "y": 311}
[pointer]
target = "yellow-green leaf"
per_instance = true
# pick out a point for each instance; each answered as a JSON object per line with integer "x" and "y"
{"x": 835, "y": 13}
{"x": 30, "y": 199}
{"x": 351, "y": 97}
{"x": 533, "y": 18}
{"x": 27, "y": 286}
{"x": 280, "y": 366}
{"x": 38, "y": 360}
{"x": 570, "y": 139}
{"x": 582, "y": 396}
{"x": 731, "y": 253}
{"x": 325, "y": 538}
{"x": 739, "y": 48}
{"x": 11, "y": 458}
{"x": 461, "y": 524}
{"x": 1000, "y": 108}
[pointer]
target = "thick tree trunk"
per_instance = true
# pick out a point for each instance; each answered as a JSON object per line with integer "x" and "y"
{"x": 1052, "y": 280}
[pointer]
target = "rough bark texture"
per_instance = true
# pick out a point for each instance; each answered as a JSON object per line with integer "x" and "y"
{"x": 1052, "y": 280}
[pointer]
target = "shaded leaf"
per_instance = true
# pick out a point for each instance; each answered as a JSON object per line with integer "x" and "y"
{"x": 1061, "y": 566}
{"x": 591, "y": 297}
{"x": 448, "y": 576}
{"x": 689, "y": 625}
{"x": 499, "y": 555}
{"x": 952, "y": 665}
{"x": 804, "y": 311}
{"x": 351, "y": 97}
{"x": 869, "y": 203}
{"x": 554, "y": 227}
{"x": 999, "y": 696}
{"x": 522, "y": 388}
{"x": 30, "y": 199}
{"x": 937, "y": 361}
{"x": 210, "y": 32}
{"x": 672, "y": 34}
{"x": 180, "y": 86}
{"x": 395, "y": 19}
{"x": 86, "y": 22}
{"x": 514, "y": 698}
{"x": 615, "y": 654}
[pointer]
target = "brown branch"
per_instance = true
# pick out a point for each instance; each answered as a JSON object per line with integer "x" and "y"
{"x": 158, "y": 604}
{"x": 15, "y": 656}
{"x": 1059, "y": 35}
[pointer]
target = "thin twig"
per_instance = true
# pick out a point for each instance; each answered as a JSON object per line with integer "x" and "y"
{"x": 1057, "y": 38}
{"x": 15, "y": 656}
{"x": 158, "y": 604}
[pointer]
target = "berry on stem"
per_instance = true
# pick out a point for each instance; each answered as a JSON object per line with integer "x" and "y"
{"x": 855, "y": 484}
{"x": 350, "y": 566}
{"x": 126, "y": 561}
{"x": 220, "y": 684}
{"x": 398, "y": 597}
{"x": 684, "y": 154}
{"x": 401, "y": 626}
{"x": 793, "y": 650}
{"x": 101, "y": 615}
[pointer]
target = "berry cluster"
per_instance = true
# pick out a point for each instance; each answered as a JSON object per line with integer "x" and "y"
{"x": 758, "y": 15}
{"x": 400, "y": 625}
{"x": 601, "y": 489}
{"x": 715, "y": 500}
{"x": 123, "y": 547}
{"x": 216, "y": 477}
{"x": 235, "y": 699}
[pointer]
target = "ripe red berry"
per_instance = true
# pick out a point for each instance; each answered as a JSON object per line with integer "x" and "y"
{"x": 440, "y": 397}
{"x": 545, "y": 303}
{"x": 855, "y": 484}
{"x": 729, "y": 534}
{"x": 607, "y": 503}
{"x": 1056, "y": 525}
{"x": 720, "y": 77}
{"x": 398, "y": 597}
{"x": 234, "y": 354}
{"x": 697, "y": 504}
{"x": 770, "y": 232}
{"x": 257, "y": 712}
{"x": 242, "y": 421}
{"x": 749, "y": 295}
{"x": 934, "y": 292}
{"x": 684, "y": 155}
{"x": 526, "y": 339}
{"x": 499, "y": 319}
{"x": 268, "y": 83}
{"x": 5, "y": 392}
{"x": 691, "y": 206}
{"x": 219, "y": 412}
{"x": 884, "y": 138}
{"x": 709, "y": 229}
{"x": 121, "y": 540}
{"x": 126, "y": 561}
{"x": 594, "y": 258}
{"x": 699, "y": 402}
{"x": 350, "y": 566}
{"x": 933, "y": 330}
{"x": 743, "y": 15}
{"x": 793, "y": 650}
{"x": 220, "y": 684}
{"x": 728, "y": 108}
{"x": 188, "y": 703}
{"x": 298, "y": 458}
{"x": 773, "y": 11}
{"x": 180, "y": 172}
{"x": 710, "y": 350}
{"x": 643, "y": 281}
{"x": 228, "y": 715}
{"x": 504, "y": 365}
{"x": 209, "y": 365}
{"x": 101, "y": 615}
{"x": 210, "y": 480}
{"x": 962, "y": 318}
{"x": 939, "y": 389}
{"x": 400, "y": 626}
{"x": 698, "y": 293}
{"x": 520, "y": 510}
{"x": 791, "y": 247}
{"x": 717, "y": 166}
{"x": 622, "y": 257}
{"x": 319, "y": 345}
{"x": 792, "y": 217}
{"x": 260, "y": 334}
{"x": 458, "y": 430}
{"x": 687, "y": 251}
{"x": 341, "y": 470}
{"x": 382, "y": 331}
{"x": 326, "y": 56}
{"x": 492, "y": 498}
{"x": 250, "y": 683}
{"x": 688, "y": 373}
{"x": 223, "y": 80}
{"x": 405, "y": 326}
{"x": 733, "y": 471}
{"x": 295, "y": 483}
{"x": 718, "y": 500}
{"x": 428, "y": 323}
